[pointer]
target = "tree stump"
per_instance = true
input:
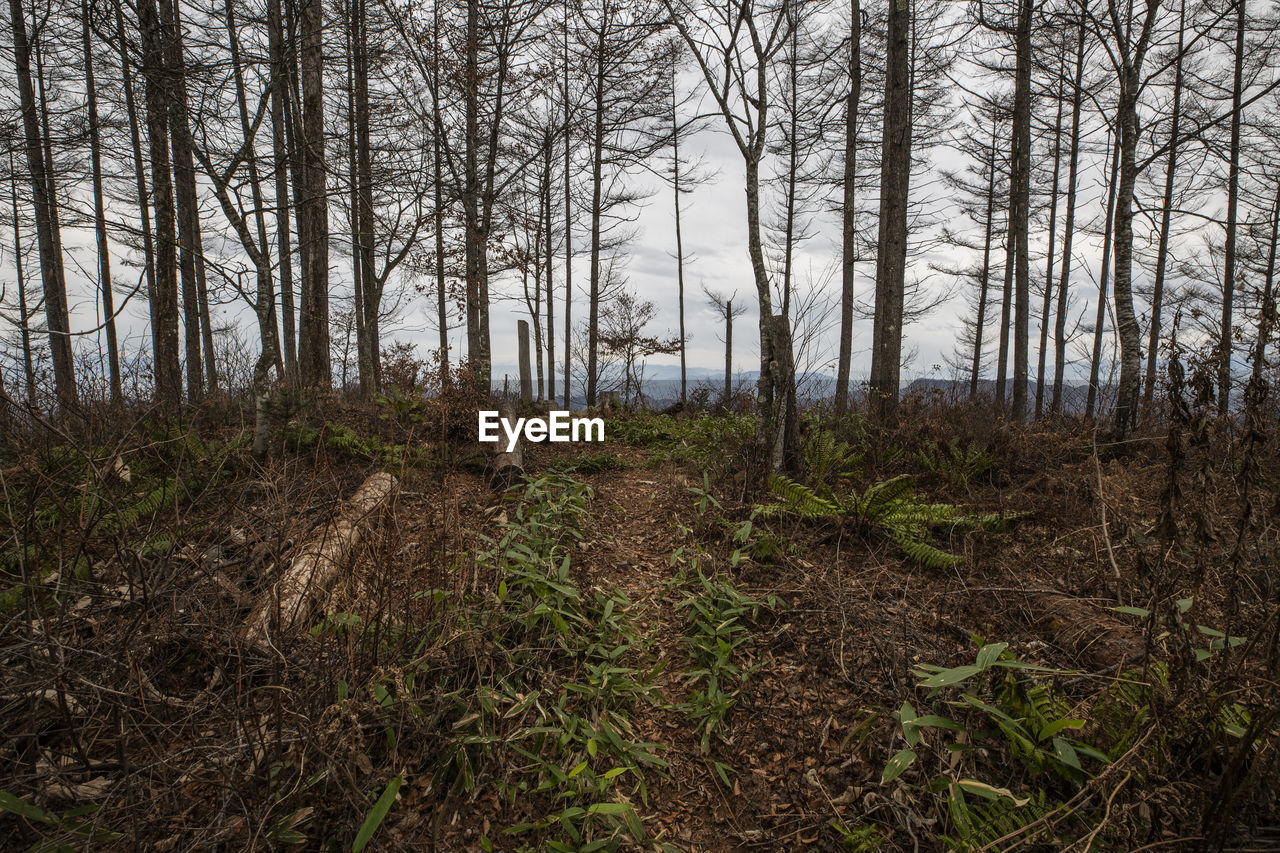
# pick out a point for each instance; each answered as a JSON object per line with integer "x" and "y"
{"x": 508, "y": 465}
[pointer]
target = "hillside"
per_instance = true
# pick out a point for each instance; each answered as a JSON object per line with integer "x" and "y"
{"x": 954, "y": 634}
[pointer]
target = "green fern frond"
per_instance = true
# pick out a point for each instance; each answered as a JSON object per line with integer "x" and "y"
{"x": 797, "y": 499}
{"x": 918, "y": 549}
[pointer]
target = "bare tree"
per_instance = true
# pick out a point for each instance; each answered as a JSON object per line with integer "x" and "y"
{"x": 726, "y": 311}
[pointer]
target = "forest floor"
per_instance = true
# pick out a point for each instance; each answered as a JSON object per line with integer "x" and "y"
{"x": 632, "y": 652}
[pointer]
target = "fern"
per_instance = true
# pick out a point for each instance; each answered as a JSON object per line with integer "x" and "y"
{"x": 799, "y": 500}
{"x": 888, "y": 505}
{"x": 983, "y": 822}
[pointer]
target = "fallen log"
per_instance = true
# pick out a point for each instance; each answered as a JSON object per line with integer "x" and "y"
{"x": 508, "y": 466}
{"x": 289, "y": 603}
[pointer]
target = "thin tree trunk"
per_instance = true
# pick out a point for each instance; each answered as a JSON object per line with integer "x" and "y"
{"x": 364, "y": 160}
{"x": 597, "y": 179}
{"x": 24, "y": 318}
{"x": 793, "y": 154}
{"x": 728, "y": 352}
{"x": 675, "y": 182}
{"x": 848, "y": 207}
{"x": 568, "y": 220}
{"x": 280, "y": 159}
{"x": 255, "y": 184}
{"x": 1233, "y": 202}
{"x": 1268, "y": 289}
{"x": 980, "y": 322}
{"x": 1060, "y": 324}
{"x": 437, "y": 165}
{"x": 184, "y": 178}
{"x": 139, "y": 169}
{"x": 548, "y": 261}
{"x": 1166, "y": 214}
{"x": 477, "y": 315}
{"x": 52, "y": 276}
{"x": 364, "y": 360}
{"x": 1095, "y": 363}
{"x": 1006, "y": 309}
{"x": 1020, "y": 211}
{"x": 1049, "y": 255}
{"x": 891, "y": 252}
{"x": 99, "y": 214}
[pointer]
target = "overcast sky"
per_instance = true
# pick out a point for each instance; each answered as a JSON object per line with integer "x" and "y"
{"x": 714, "y": 224}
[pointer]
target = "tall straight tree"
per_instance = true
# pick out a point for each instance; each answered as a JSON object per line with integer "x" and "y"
{"x": 1060, "y": 96}
{"x": 52, "y": 276}
{"x": 849, "y": 206}
{"x": 1020, "y": 208}
{"x": 1100, "y": 322}
{"x": 1068, "y": 231}
{"x": 164, "y": 298}
{"x": 99, "y": 211}
{"x": 1166, "y": 215}
{"x": 1233, "y": 205}
{"x": 312, "y": 202}
{"x": 891, "y": 251}
{"x": 195, "y": 301}
{"x": 24, "y": 316}
{"x": 280, "y": 99}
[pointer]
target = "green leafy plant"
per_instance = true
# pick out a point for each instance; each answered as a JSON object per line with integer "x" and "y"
{"x": 717, "y": 615}
{"x": 952, "y": 462}
{"x": 77, "y": 822}
{"x": 889, "y": 506}
{"x": 377, "y": 814}
{"x": 572, "y": 669}
{"x": 995, "y": 703}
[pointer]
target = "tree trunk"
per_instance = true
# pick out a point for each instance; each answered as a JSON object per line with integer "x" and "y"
{"x": 280, "y": 158}
{"x": 190, "y": 252}
{"x": 675, "y": 182}
{"x": 1020, "y": 211}
{"x": 364, "y": 360}
{"x": 1268, "y": 289}
{"x": 369, "y": 279}
{"x": 1053, "y": 233}
{"x": 288, "y": 605}
{"x": 1006, "y": 311}
{"x": 1233, "y": 202}
{"x": 568, "y": 219}
{"x": 1060, "y": 324}
{"x": 1166, "y": 214}
{"x": 51, "y": 270}
{"x": 550, "y": 255}
{"x": 477, "y": 311}
{"x": 849, "y": 207}
{"x": 313, "y": 356}
{"x": 980, "y": 322}
{"x": 1095, "y": 363}
{"x": 728, "y": 353}
{"x": 164, "y": 307}
{"x": 24, "y": 319}
{"x": 891, "y": 251}
{"x": 99, "y": 213}
{"x": 597, "y": 178}
{"x": 1130, "y": 334}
